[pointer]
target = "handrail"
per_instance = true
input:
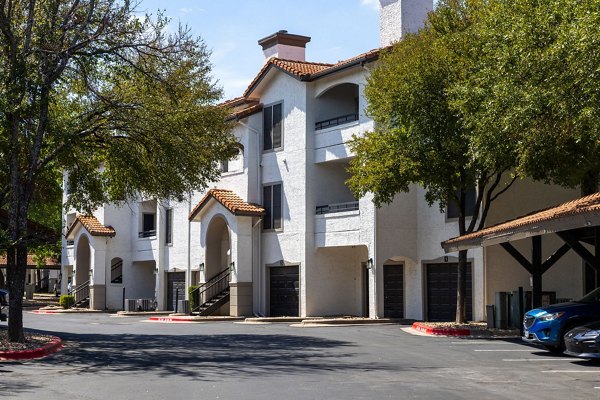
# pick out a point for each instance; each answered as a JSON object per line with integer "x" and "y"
{"x": 211, "y": 288}
{"x": 338, "y": 207}
{"x": 147, "y": 234}
{"x": 336, "y": 121}
{"x": 81, "y": 292}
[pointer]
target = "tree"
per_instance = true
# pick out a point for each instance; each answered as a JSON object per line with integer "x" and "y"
{"x": 419, "y": 138}
{"x": 534, "y": 88}
{"x": 90, "y": 88}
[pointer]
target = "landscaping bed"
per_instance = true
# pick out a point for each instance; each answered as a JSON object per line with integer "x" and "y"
{"x": 33, "y": 341}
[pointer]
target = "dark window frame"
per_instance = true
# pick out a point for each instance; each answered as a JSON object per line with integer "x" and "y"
{"x": 168, "y": 226}
{"x": 452, "y": 212}
{"x": 273, "y": 219}
{"x": 273, "y": 121}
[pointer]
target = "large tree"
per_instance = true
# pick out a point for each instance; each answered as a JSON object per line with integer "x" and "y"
{"x": 419, "y": 138}
{"x": 534, "y": 88}
{"x": 92, "y": 88}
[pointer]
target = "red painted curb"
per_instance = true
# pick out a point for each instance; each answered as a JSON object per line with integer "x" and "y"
{"x": 441, "y": 331}
{"x": 46, "y": 312}
{"x": 170, "y": 319}
{"x": 43, "y": 351}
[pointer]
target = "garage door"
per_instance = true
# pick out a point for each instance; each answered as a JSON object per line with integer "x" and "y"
{"x": 175, "y": 281}
{"x": 441, "y": 292}
{"x": 284, "y": 289}
{"x": 393, "y": 291}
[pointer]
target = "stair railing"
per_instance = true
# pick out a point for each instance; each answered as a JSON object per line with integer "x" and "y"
{"x": 81, "y": 292}
{"x": 210, "y": 289}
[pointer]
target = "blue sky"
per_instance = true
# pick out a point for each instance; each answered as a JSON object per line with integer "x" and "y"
{"x": 339, "y": 29}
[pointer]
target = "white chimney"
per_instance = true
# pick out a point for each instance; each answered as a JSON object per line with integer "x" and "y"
{"x": 401, "y": 16}
{"x": 285, "y": 45}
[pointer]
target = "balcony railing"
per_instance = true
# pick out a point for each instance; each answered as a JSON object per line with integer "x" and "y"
{"x": 338, "y": 207}
{"x": 70, "y": 243}
{"x": 328, "y": 123}
{"x": 146, "y": 234}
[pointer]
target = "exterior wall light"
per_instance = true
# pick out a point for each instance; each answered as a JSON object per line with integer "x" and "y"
{"x": 370, "y": 263}
{"x": 201, "y": 267}
{"x": 232, "y": 266}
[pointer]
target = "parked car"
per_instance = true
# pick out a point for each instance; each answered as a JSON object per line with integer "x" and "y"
{"x": 548, "y": 325}
{"x": 584, "y": 341}
{"x": 3, "y": 305}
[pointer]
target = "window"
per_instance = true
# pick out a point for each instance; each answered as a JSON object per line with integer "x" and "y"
{"x": 452, "y": 209}
{"x": 272, "y": 205}
{"x": 169, "y": 226}
{"x": 116, "y": 271}
{"x": 225, "y": 166}
{"x": 272, "y": 127}
{"x": 148, "y": 225}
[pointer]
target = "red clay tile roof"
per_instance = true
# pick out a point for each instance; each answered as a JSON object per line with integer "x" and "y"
{"x": 584, "y": 206}
{"x": 50, "y": 263}
{"x": 234, "y": 203}
{"x": 246, "y": 112}
{"x": 307, "y": 71}
{"x": 93, "y": 226}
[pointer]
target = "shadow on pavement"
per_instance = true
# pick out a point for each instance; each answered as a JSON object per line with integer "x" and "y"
{"x": 210, "y": 357}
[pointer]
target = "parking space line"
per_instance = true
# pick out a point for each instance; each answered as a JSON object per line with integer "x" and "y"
{"x": 537, "y": 359}
{"x": 529, "y": 351}
{"x": 570, "y": 371}
{"x": 491, "y": 342}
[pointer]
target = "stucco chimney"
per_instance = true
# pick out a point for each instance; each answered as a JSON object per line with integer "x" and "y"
{"x": 285, "y": 45}
{"x": 401, "y": 16}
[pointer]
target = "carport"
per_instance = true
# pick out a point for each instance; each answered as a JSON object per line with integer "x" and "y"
{"x": 576, "y": 223}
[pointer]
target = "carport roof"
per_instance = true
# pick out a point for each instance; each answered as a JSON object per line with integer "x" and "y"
{"x": 231, "y": 201}
{"x": 579, "y": 213}
{"x": 92, "y": 225}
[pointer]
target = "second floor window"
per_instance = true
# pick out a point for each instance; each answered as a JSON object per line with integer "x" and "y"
{"x": 169, "y": 226}
{"x": 272, "y": 127}
{"x": 148, "y": 225}
{"x": 272, "y": 204}
{"x": 452, "y": 210}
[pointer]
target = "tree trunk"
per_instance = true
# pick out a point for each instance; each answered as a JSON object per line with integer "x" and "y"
{"x": 461, "y": 289}
{"x": 16, "y": 285}
{"x": 2, "y": 283}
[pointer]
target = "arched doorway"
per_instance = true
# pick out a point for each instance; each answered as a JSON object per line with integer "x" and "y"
{"x": 218, "y": 247}
{"x": 82, "y": 261}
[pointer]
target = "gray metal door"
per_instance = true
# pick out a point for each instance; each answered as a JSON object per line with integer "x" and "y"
{"x": 393, "y": 291}
{"x": 442, "y": 280}
{"x": 284, "y": 291}
{"x": 175, "y": 289}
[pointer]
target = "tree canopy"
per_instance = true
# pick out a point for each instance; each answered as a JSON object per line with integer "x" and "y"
{"x": 91, "y": 88}
{"x": 419, "y": 138}
{"x": 533, "y": 88}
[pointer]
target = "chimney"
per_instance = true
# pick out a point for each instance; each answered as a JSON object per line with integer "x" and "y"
{"x": 401, "y": 16}
{"x": 285, "y": 45}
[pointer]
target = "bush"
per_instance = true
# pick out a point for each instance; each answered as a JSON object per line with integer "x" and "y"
{"x": 67, "y": 300}
{"x": 193, "y": 297}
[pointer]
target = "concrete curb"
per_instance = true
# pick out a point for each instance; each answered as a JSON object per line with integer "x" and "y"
{"x": 49, "y": 348}
{"x": 420, "y": 327}
{"x": 70, "y": 311}
{"x": 194, "y": 319}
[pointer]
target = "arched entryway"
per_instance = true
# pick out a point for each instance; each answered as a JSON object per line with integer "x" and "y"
{"x": 218, "y": 247}
{"x": 82, "y": 261}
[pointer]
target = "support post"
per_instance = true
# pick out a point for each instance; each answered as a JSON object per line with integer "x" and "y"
{"x": 536, "y": 271}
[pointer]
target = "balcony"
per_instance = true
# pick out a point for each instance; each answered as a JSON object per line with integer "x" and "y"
{"x": 147, "y": 234}
{"x": 338, "y": 225}
{"x": 331, "y": 122}
{"x": 146, "y": 248}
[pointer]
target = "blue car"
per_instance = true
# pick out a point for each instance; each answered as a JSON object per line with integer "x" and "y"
{"x": 548, "y": 325}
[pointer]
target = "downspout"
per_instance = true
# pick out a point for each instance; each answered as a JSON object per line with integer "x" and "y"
{"x": 189, "y": 246}
{"x": 258, "y": 196}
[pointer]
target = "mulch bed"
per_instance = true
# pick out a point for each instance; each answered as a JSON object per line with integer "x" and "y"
{"x": 32, "y": 341}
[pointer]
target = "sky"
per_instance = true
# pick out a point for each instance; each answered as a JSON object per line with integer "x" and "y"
{"x": 339, "y": 29}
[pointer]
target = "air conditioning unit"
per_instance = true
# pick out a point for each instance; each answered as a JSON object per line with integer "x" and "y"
{"x": 144, "y": 304}
{"x": 130, "y": 305}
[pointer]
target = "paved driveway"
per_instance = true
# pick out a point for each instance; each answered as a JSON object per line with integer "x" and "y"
{"x": 126, "y": 358}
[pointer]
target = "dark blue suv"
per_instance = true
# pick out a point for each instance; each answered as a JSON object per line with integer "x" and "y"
{"x": 548, "y": 325}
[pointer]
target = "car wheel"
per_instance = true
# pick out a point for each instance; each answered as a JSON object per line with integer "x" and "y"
{"x": 556, "y": 349}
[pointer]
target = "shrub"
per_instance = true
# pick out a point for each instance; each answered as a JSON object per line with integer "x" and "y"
{"x": 67, "y": 300}
{"x": 193, "y": 297}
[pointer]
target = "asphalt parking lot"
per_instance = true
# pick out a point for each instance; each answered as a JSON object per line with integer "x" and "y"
{"x": 109, "y": 357}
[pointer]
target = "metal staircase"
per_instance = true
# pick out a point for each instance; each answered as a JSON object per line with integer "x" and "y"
{"x": 82, "y": 295}
{"x": 213, "y": 294}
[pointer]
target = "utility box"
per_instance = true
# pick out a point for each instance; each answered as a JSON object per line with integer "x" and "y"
{"x": 183, "y": 306}
{"x": 29, "y": 288}
{"x": 501, "y": 308}
{"x": 490, "y": 318}
{"x": 130, "y": 304}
